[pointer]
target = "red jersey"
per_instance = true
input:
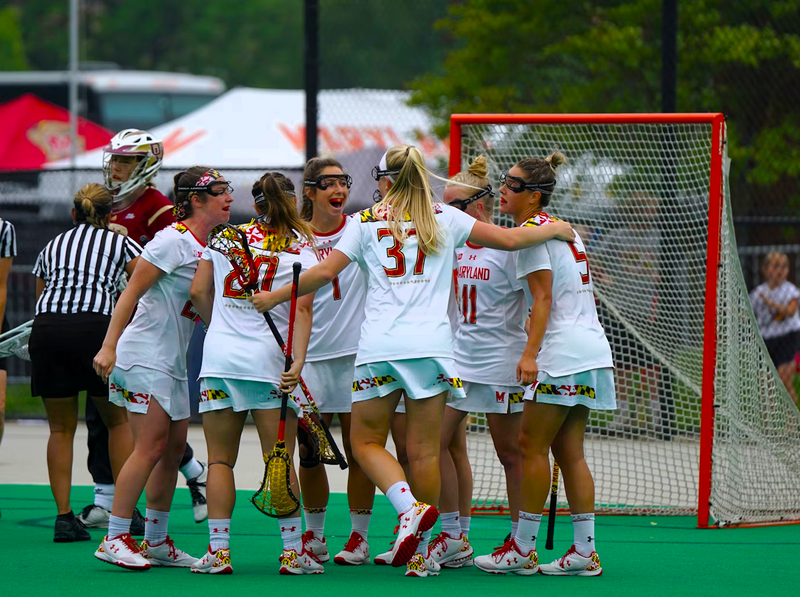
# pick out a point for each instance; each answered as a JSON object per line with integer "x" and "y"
{"x": 144, "y": 217}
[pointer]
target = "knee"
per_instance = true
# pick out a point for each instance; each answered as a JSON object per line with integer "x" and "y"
{"x": 152, "y": 450}
{"x": 510, "y": 457}
{"x": 530, "y": 446}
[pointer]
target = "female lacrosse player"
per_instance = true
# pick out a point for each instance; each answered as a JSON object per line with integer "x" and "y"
{"x": 131, "y": 160}
{"x": 242, "y": 364}
{"x": 76, "y": 279}
{"x": 330, "y": 362}
{"x": 570, "y": 376}
{"x": 146, "y": 367}
{"x": 489, "y": 340}
{"x": 405, "y": 245}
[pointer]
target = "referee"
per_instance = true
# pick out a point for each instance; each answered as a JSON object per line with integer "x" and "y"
{"x": 77, "y": 274}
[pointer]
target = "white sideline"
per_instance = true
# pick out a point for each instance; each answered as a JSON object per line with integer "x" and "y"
{"x": 23, "y": 456}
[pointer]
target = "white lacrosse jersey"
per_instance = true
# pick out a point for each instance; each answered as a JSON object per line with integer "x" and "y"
{"x": 338, "y": 306}
{"x": 574, "y": 340}
{"x": 407, "y": 291}
{"x": 239, "y": 343}
{"x": 158, "y": 336}
{"x": 491, "y": 334}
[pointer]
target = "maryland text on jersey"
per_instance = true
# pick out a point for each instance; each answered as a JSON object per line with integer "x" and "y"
{"x": 258, "y": 235}
{"x": 541, "y": 219}
{"x": 369, "y": 215}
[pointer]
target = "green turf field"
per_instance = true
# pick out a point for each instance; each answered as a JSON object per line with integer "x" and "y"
{"x": 640, "y": 556}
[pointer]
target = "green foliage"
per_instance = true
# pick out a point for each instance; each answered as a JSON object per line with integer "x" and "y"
{"x": 739, "y": 57}
{"x": 258, "y": 43}
{"x": 12, "y": 52}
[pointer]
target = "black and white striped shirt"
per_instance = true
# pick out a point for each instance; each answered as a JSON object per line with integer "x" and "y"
{"x": 8, "y": 240}
{"x": 81, "y": 269}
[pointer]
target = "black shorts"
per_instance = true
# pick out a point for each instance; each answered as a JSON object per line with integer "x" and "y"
{"x": 782, "y": 348}
{"x": 6, "y": 328}
{"x": 62, "y": 348}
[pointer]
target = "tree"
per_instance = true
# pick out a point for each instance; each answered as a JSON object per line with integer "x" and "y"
{"x": 12, "y": 52}
{"x": 740, "y": 57}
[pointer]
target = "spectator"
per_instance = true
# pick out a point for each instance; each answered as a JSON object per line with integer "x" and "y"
{"x": 775, "y": 306}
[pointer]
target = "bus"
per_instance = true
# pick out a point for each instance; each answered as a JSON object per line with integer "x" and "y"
{"x": 118, "y": 99}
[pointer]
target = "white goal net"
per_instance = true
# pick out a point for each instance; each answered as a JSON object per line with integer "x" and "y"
{"x": 638, "y": 193}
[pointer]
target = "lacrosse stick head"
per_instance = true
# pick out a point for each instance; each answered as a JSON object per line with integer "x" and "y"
{"x": 275, "y": 498}
{"x": 232, "y": 243}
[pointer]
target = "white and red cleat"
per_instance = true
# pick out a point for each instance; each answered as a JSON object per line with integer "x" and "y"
{"x": 355, "y": 552}
{"x": 122, "y": 551}
{"x": 214, "y": 562}
{"x": 451, "y": 552}
{"x": 299, "y": 563}
{"x": 166, "y": 555}
{"x": 384, "y": 559}
{"x": 410, "y": 526}
{"x": 509, "y": 560}
{"x": 419, "y": 566}
{"x": 317, "y": 547}
{"x": 574, "y": 564}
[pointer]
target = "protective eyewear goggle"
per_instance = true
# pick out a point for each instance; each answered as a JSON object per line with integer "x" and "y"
{"x": 519, "y": 185}
{"x": 377, "y": 173}
{"x": 214, "y": 188}
{"x": 462, "y": 203}
{"x": 323, "y": 182}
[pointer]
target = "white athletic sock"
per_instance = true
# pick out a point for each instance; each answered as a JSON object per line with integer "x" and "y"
{"x": 422, "y": 548}
{"x": 465, "y": 520}
{"x": 118, "y": 526}
{"x": 359, "y": 520}
{"x": 583, "y": 532}
{"x": 514, "y": 526}
{"x": 401, "y": 497}
{"x": 292, "y": 533}
{"x": 527, "y": 530}
{"x": 450, "y": 524}
{"x": 315, "y": 521}
{"x": 155, "y": 526}
{"x": 191, "y": 470}
{"x": 219, "y": 532}
{"x": 104, "y": 496}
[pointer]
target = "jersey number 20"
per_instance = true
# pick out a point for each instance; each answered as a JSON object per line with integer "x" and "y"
{"x": 237, "y": 292}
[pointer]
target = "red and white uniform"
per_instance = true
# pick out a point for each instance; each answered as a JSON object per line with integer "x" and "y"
{"x": 239, "y": 345}
{"x": 491, "y": 336}
{"x": 336, "y": 329}
{"x": 406, "y": 340}
{"x": 151, "y": 353}
{"x": 575, "y": 363}
{"x": 144, "y": 217}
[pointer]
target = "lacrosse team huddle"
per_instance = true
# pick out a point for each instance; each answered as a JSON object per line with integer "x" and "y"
{"x": 406, "y": 316}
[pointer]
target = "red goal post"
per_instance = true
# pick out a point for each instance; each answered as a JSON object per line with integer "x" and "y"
{"x": 681, "y": 153}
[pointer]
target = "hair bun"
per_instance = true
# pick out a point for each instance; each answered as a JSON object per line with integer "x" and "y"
{"x": 479, "y": 167}
{"x": 555, "y": 159}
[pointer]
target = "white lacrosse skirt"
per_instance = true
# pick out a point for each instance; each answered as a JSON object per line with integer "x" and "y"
{"x": 137, "y": 387}
{"x": 485, "y": 398}
{"x": 420, "y": 378}
{"x": 593, "y": 389}
{"x": 330, "y": 383}
{"x": 242, "y": 395}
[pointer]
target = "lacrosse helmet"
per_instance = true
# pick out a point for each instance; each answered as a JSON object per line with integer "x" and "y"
{"x": 145, "y": 148}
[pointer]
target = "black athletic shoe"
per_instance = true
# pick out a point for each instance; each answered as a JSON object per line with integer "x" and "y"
{"x": 137, "y": 523}
{"x": 68, "y": 529}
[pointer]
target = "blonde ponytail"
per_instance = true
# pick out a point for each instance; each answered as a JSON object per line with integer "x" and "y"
{"x": 411, "y": 194}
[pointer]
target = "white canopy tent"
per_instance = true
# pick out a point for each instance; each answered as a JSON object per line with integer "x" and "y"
{"x": 261, "y": 128}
